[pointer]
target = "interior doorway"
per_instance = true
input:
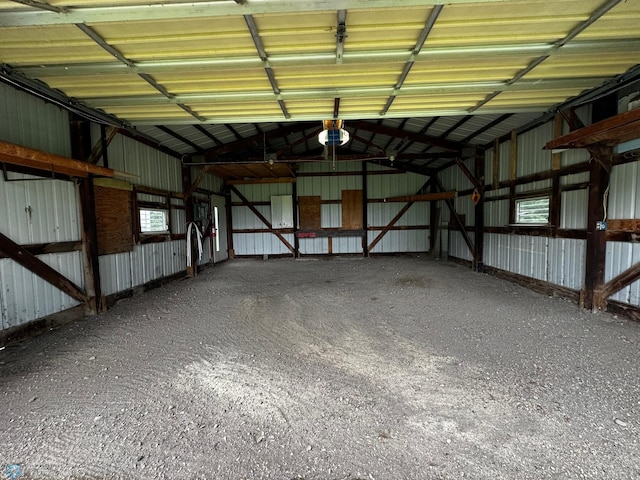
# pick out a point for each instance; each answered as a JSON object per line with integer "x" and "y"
{"x": 219, "y": 245}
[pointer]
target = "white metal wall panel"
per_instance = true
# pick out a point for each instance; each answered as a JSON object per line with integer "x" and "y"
{"x": 115, "y": 273}
{"x": 400, "y": 241}
{"x": 178, "y": 218}
{"x": 40, "y": 211}
{"x": 457, "y": 247}
{"x": 505, "y": 160}
{"x": 574, "y": 179}
{"x": 566, "y": 262}
{"x": 27, "y": 297}
{"x": 346, "y": 245}
{"x": 624, "y": 191}
{"x": 29, "y": 121}
{"x": 496, "y": 214}
{"x": 488, "y": 166}
{"x": 384, "y": 186}
{"x": 260, "y": 244}
{"x": 573, "y": 212}
{"x": 574, "y": 156}
{"x": 314, "y": 246}
{"x": 152, "y": 167}
{"x": 209, "y": 182}
{"x": 244, "y": 218}
{"x": 621, "y": 256}
{"x": 532, "y": 157}
{"x": 533, "y": 186}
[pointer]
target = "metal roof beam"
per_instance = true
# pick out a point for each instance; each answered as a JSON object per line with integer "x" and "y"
{"x": 179, "y": 10}
{"x": 255, "y": 36}
{"x": 354, "y": 57}
{"x": 413, "y": 136}
{"x": 341, "y": 35}
{"x": 433, "y": 16}
{"x": 42, "y": 6}
{"x": 184, "y": 140}
{"x": 597, "y": 14}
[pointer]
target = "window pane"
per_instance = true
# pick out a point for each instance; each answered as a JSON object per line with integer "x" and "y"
{"x": 532, "y": 210}
{"x": 153, "y": 221}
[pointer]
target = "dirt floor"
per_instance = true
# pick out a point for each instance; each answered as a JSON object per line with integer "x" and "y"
{"x": 381, "y": 368}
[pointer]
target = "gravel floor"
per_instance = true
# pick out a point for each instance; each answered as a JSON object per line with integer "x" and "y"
{"x": 381, "y": 368}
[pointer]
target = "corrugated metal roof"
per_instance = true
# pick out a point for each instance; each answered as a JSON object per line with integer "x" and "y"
{"x": 256, "y": 65}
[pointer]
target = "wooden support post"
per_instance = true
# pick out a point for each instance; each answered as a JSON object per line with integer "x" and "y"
{"x": 596, "y": 237}
{"x": 496, "y": 163}
{"x": 365, "y": 213}
{"x": 296, "y": 240}
{"x": 478, "y": 259}
{"x": 513, "y": 159}
{"x": 229, "y": 209}
{"x": 456, "y": 219}
{"x": 80, "y": 130}
{"x": 191, "y": 269}
{"x": 433, "y": 219}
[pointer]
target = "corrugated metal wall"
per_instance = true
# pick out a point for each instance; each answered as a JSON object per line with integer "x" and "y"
{"x": 624, "y": 202}
{"x": 329, "y": 187}
{"x": 36, "y": 210}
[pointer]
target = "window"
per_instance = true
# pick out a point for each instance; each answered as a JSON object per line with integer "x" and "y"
{"x": 153, "y": 221}
{"x": 533, "y": 210}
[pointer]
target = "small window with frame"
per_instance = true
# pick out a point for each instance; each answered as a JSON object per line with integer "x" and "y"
{"x": 532, "y": 211}
{"x": 154, "y": 221}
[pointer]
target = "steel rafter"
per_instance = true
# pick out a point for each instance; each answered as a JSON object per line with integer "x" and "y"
{"x": 597, "y": 14}
{"x": 433, "y": 16}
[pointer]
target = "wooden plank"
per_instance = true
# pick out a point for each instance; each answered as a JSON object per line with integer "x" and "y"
{"x": 556, "y": 158}
{"x": 192, "y": 188}
{"x": 29, "y": 157}
{"x": 496, "y": 163}
{"x": 623, "y": 225}
{"x": 54, "y": 247}
{"x": 422, "y": 197}
{"x": 352, "y": 209}
{"x": 513, "y": 158}
{"x": 596, "y": 239}
{"x": 90, "y": 260}
{"x": 310, "y": 212}
{"x": 386, "y": 229}
{"x": 478, "y": 258}
{"x": 467, "y": 173}
{"x": 32, "y": 263}
{"x": 619, "y": 282}
{"x": 97, "y": 151}
{"x": 257, "y": 213}
{"x": 365, "y": 209}
{"x": 457, "y": 220}
{"x": 113, "y": 220}
{"x": 261, "y": 181}
{"x": 615, "y": 129}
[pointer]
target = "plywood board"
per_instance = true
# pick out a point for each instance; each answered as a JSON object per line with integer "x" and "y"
{"x": 352, "y": 210}
{"x": 310, "y": 208}
{"x": 113, "y": 220}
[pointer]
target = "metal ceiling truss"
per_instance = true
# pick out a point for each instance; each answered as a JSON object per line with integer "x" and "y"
{"x": 433, "y": 16}
{"x": 196, "y": 9}
{"x": 555, "y": 47}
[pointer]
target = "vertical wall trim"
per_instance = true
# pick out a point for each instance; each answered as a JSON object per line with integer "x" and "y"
{"x": 296, "y": 240}
{"x": 81, "y": 149}
{"x": 513, "y": 165}
{"x": 596, "y": 239}
{"x": 478, "y": 260}
{"x": 496, "y": 163}
{"x": 365, "y": 213}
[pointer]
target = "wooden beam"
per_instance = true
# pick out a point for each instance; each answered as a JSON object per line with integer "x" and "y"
{"x": 261, "y": 181}
{"x": 365, "y": 208}
{"x": 422, "y": 197}
{"x": 612, "y": 131}
{"x": 596, "y": 238}
{"x": 556, "y": 158}
{"x": 98, "y": 149}
{"x": 192, "y": 188}
{"x": 467, "y": 173}
{"x": 257, "y": 213}
{"x": 456, "y": 219}
{"x": 478, "y": 258}
{"x": 413, "y": 136}
{"x": 395, "y": 219}
{"x": 32, "y": 263}
{"x": 616, "y": 284}
{"x": 496, "y": 163}
{"x": 29, "y": 157}
{"x": 513, "y": 158}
